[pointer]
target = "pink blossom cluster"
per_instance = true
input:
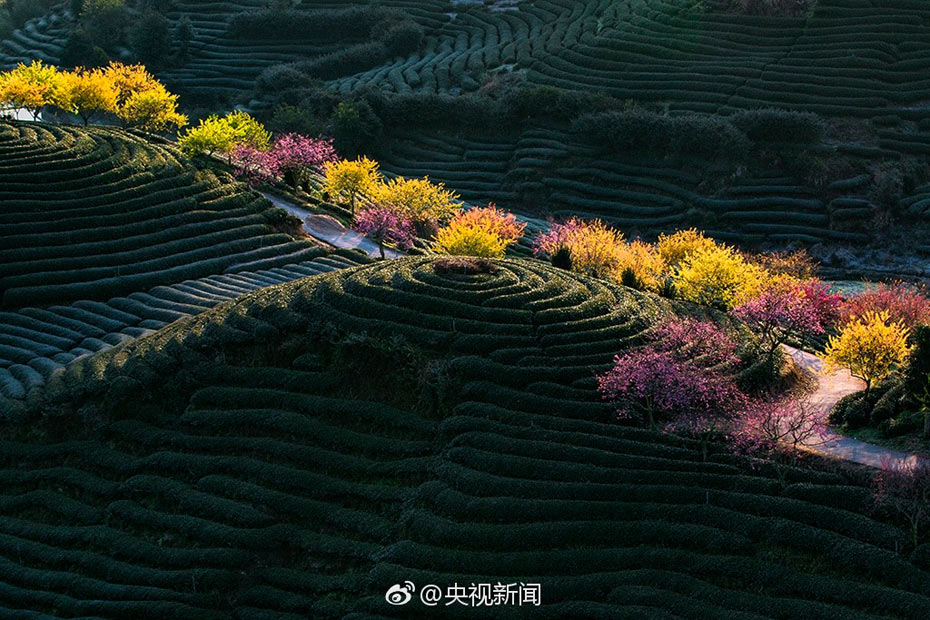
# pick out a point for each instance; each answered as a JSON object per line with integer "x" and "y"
{"x": 680, "y": 384}
{"x": 386, "y": 225}
{"x": 253, "y": 166}
{"x": 699, "y": 342}
{"x": 904, "y": 304}
{"x": 789, "y": 309}
{"x": 288, "y": 152}
{"x": 559, "y": 235}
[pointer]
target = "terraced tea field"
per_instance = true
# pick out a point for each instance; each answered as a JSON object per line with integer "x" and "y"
{"x": 38, "y": 343}
{"x": 106, "y": 236}
{"x": 252, "y": 482}
{"x": 857, "y": 61}
{"x": 847, "y": 57}
{"x": 91, "y": 214}
{"x": 551, "y": 168}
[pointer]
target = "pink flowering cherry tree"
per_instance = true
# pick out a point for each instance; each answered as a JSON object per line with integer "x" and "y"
{"x": 288, "y": 155}
{"x": 253, "y": 166}
{"x": 788, "y": 309}
{"x": 295, "y": 152}
{"x": 686, "y": 387}
{"x": 386, "y": 225}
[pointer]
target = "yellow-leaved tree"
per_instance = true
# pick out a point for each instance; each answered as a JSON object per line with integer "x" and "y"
{"x": 216, "y": 134}
{"x": 141, "y": 100}
{"x": 153, "y": 110}
{"x": 30, "y": 87}
{"x": 586, "y": 246}
{"x": 457, "y": 240}
{"x": 485, "y": 232}
{"x": 418, "y": 199}
{"x": 639, "y": 266}
{"x": 673, "y": 249}
{"x": 870, "y": 346}
{"x": 345, "y": 179}
{"x": 86, "y": 93}
{"x": 717, "y": 275}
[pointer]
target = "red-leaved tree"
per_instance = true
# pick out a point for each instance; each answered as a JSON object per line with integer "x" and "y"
{"x": 904, "y": 304}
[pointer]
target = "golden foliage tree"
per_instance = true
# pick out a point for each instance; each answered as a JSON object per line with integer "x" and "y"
{"x": 485, "y": 232}
{"x": 86, "y": 93}
{"x": 592, "y": 246}
{"x": 418, "y": 199}
{"x": 141, "y": 100}
{"x": 463, "y": 240}
{"x": 717, "y": 275}
{"x": 153, "y": 110}
{"x": 31, "y": 87}
{"x": 640, "y": 266}
{"x": 349, "y": 179}
{"x": 871, "y": 347}
{"x": 673, "y": 249}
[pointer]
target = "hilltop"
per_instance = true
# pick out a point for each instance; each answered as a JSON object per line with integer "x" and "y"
{"x": 252, "y": 460}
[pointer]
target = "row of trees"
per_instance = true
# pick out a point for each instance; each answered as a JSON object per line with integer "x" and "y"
{"x": 777, "y": 296}
{"x": 128, "y": 92}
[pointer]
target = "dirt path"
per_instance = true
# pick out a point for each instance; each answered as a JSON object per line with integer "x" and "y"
{"x": 329, "y": 229}
{"x": 831, "y": 387}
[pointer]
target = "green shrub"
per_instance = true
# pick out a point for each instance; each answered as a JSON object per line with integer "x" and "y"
{"x": 356, "y": 129}
{"x": 356, "y": 22}
{"x": 346, "y": 61}
{"x": 280, "y": 77}
{"x": 776, "y": 125}
{"x": 402, "y": 38}
{"x": 852, "y": 410}
{"x": 80, "y": 51}
{"x": 705, "y": 136}
{"x": 150, "y": 38}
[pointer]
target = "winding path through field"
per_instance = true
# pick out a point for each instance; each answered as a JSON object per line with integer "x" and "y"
{"x": 329, "y": 229}
{"x": 831, "y": 387}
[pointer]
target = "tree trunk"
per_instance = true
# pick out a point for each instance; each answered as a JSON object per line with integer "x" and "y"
{"x": 381, "y": 248}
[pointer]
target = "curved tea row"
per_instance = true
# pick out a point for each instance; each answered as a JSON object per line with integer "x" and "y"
{"x": 264, "y": 486}
{"x": 99, "y": 212}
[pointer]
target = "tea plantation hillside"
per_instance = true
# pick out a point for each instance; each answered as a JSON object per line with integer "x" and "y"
{"x": 430, "y": 74}
{"x": 840, "y": 57}
{"x": 95, "y": 213}
{"x": 106, "y": 236}
{"x": 295, "y": 452}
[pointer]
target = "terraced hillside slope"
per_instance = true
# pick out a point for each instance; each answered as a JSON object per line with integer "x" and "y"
{"x": 841, "y": 57}
{"x": 259, "y": 461}
{"x": 105, "y": 236}
{"x": 95, "y": 213}
{"x": 859, "y": 64}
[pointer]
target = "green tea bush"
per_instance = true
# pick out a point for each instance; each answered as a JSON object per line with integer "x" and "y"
{"x": 710, "y": 137}
{"x": 777, "y": 125}
{"x": 329, "y": 25}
